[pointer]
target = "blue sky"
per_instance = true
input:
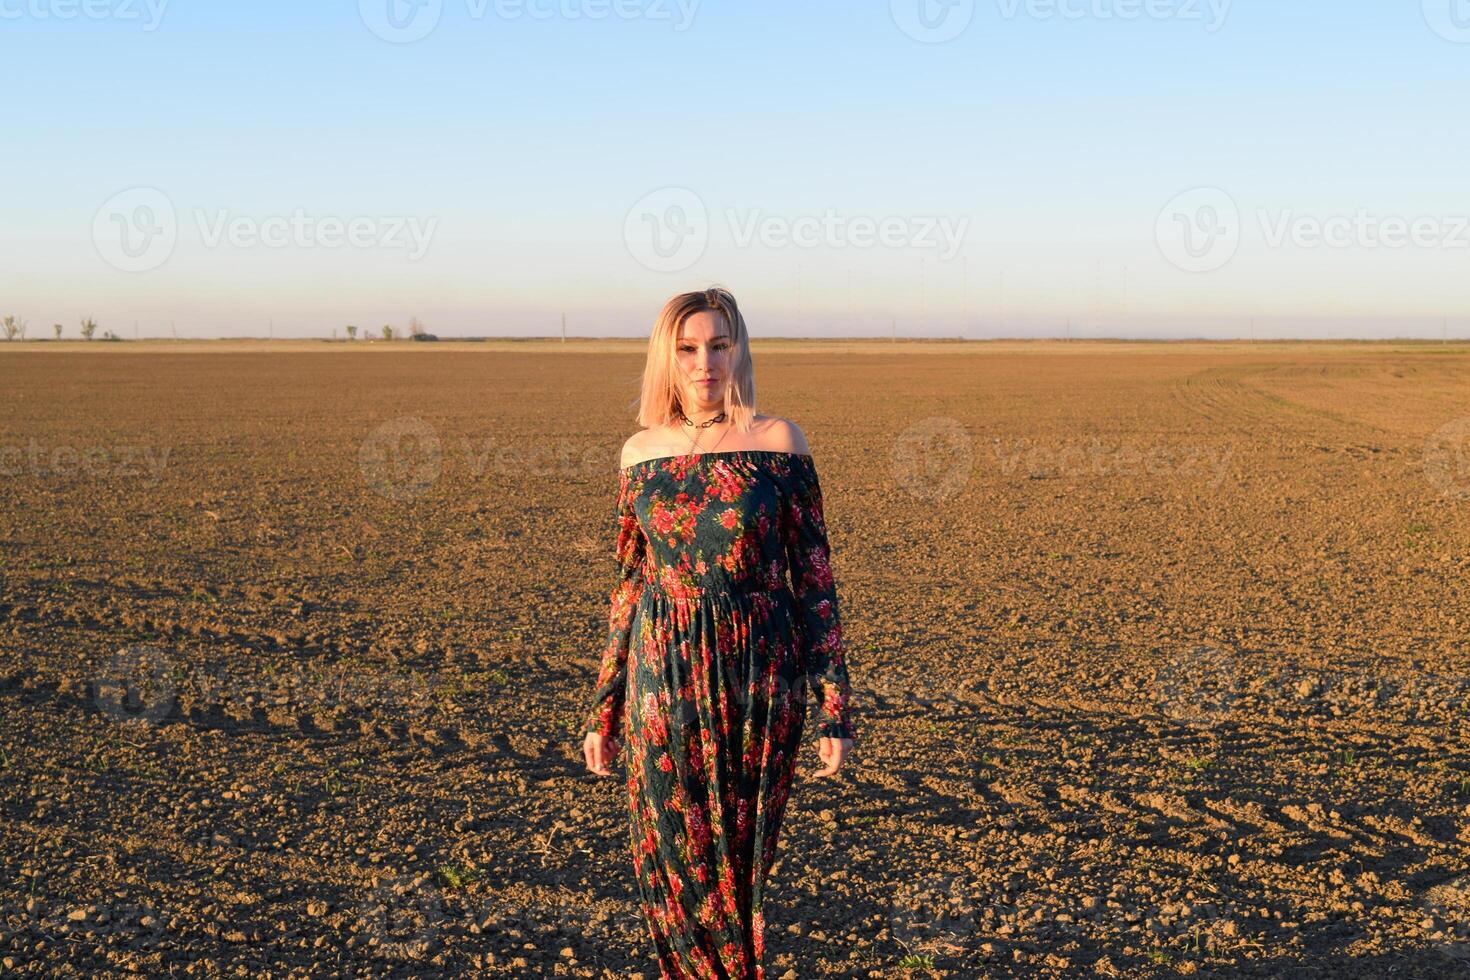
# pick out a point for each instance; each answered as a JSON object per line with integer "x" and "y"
{"x": 529, "y": 158}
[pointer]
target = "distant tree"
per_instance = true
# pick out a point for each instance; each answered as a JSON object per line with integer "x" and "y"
{"x": 89, "y": 327}
{"x": 351, "y": 332}
{"x": 415, "y": 326}
{"x": 57, "y": 328}
{"x": 12, "y": 327}
{"x": 387, "y": 332}
{"x": 109, "y": 335}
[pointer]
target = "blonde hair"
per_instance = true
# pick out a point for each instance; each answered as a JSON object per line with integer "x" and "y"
{"x": 661, "y": 397}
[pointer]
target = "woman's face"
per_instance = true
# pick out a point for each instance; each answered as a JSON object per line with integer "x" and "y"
{"x": 703, "y": 353}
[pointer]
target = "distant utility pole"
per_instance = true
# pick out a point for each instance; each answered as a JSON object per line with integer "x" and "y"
{"x": 272, "y": 329}
{"x": 1253, "y": 330}
{"x": 1069, "y": 328}
{"x": 173, "y": 329}
{"x": 564, "y": 328}
{"x": 893, "y": 338}
{"x": 1444, "y": 328}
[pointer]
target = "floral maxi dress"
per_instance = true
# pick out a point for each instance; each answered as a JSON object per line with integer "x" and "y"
{"x": 703, "y": 679}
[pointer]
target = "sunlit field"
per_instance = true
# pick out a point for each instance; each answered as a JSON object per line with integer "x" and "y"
{"x": 1159, "y": 656}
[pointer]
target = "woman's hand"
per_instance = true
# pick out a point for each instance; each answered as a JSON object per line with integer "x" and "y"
{"x": 600, "y": 751}
{"x": 833, "y": 751}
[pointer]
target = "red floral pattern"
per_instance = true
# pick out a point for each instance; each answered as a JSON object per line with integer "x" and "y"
{"x": 723, "y": 613}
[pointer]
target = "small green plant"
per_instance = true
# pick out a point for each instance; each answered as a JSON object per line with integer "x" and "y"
{"x": 453, "y": 876}
{"x": 916, "y": 961}
{"x": 1159, "y": 956}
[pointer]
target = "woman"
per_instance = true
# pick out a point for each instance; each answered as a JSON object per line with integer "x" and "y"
{"x": 709, "y": 650}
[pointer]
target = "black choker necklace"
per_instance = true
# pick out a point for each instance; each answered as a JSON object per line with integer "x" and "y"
{"x": 703, "y": 425}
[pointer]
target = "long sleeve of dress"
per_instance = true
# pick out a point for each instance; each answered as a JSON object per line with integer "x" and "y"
{"x": 808, "y": 557}
{"x": 612, "y": 678}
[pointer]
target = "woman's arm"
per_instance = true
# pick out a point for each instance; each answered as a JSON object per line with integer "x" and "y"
{"x": 629, "y": 555}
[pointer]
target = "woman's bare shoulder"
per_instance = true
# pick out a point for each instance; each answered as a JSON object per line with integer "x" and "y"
{"x": 781, "y": 435}
{"x": 635, "y": 448}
